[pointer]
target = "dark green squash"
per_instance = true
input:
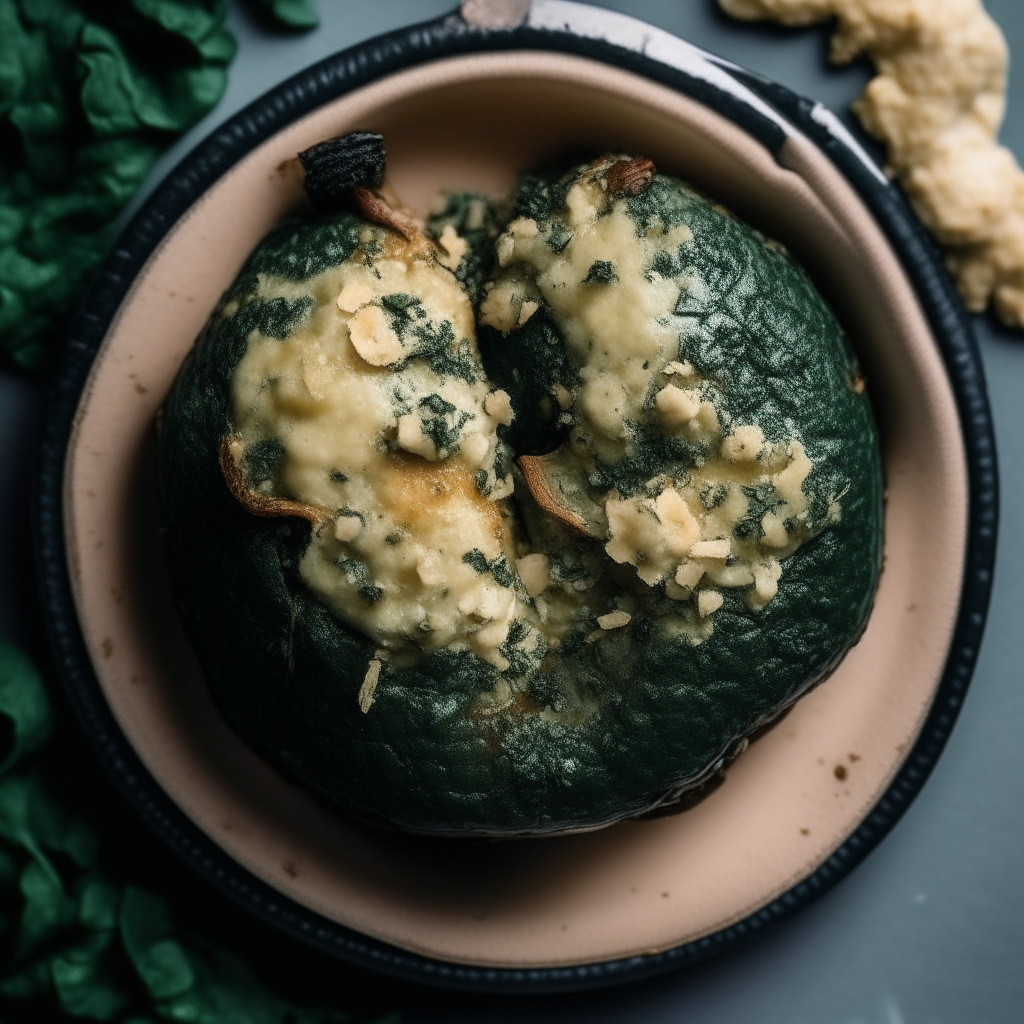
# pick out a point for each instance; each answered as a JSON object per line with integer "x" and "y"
{"x": 286, "y": 672}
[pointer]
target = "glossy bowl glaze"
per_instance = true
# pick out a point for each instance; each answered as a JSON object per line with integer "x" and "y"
{"x": 468, "y": 107}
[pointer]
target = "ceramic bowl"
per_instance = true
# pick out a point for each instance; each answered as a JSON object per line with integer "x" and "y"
{"x": 467, "y": 104}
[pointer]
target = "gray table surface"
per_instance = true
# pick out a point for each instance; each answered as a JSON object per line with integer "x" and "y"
{"x": 930, "y": 928}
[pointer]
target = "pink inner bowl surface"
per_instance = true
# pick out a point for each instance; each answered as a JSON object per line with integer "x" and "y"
{"x": 638, "y": 887}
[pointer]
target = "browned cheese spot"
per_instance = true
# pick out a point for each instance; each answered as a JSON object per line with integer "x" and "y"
{"x": 418, "y": 490}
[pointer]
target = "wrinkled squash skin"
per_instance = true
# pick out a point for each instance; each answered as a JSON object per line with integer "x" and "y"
{"x": 285, "y": 672}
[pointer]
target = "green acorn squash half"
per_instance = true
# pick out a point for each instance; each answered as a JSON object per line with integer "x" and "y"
{"x": 541, "y": 582}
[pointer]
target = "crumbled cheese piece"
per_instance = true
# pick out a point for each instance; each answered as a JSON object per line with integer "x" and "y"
{"x": 710, "y": 549}
{"x": 739, "y": 574}
{"x": 475, "y": 215}
{"x": 475, "y": 450}
{"x": 354, "y": 295}
{"x": 454, "y": 246}
{"x": 484, "y": 604}
{"x": 937, "y": 101}
{"x": 430, "y": 569}
{"x": 676, "y": 406}
{"x": 708, "y": 601}
{"x": 677, "y": 236}
{"x": 563, "y": 396}
{"x": 317, "y": 374}
{"x": 526, "y": 311}
{"x": 681, "y": 528}
{"x": 505, "y": 248}
{"x": 412, "y": 438}
{"x": 683, "y": 369}
{"x": 347, "y": 527}
{"x": 652, "y": 536}
{"x": 373, "y": 338}
{"x": 582, "y": 204}
{"x": 369, "y": 687}
{"x": 744, "y": 444}
{"x": 501, "y": 489}
{"x": 707, "y": 418}
{"x": 614, "y": 620}
{"x": 523, "y": 227}
{"x": 688, "y": 574}
{"x": 788, "y": 482}
{"x": 498, "y": 406}
{"x": 630, "y": 530}
{"x": 534, "y": 571}
{"x": 500, "y": 308}
{"x": 773, "y": 529}
{"x": 766, "y": 579}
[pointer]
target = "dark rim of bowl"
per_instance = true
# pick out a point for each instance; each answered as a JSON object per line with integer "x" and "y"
{"x": 585, "y": 33}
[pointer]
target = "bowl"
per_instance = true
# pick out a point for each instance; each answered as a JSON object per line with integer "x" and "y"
{"x": 465, "y": 103}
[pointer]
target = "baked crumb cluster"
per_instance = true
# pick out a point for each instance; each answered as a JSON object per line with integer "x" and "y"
{"x": 937, "y": 102}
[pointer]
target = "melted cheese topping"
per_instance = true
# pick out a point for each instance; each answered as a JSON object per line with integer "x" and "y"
{"x": 403, "y": 452}
{"x": 728, "y": 522}
{"x": 597, "y": 317}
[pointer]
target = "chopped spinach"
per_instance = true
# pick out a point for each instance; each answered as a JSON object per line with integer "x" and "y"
{"x": 358, "y": 574}
{"x": 547, "y": 692}
{"x": 274, "y": 318}
{"x": 498, "y": 568}
{"x": 474, "y": 218}
{"x": 477, "y": 559}
{"x": 760, "y": 502}
{"x": 558, "y": 238}
{"x": 502, "y": 571}
{"x": 260, "y": 459}
{"x": 520, "y": 662}
{"x": 713, "y": 495}
{"x": 399, "y": 302}
{"x": 601, "y": 272}
{"x": 442, "y": 422}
